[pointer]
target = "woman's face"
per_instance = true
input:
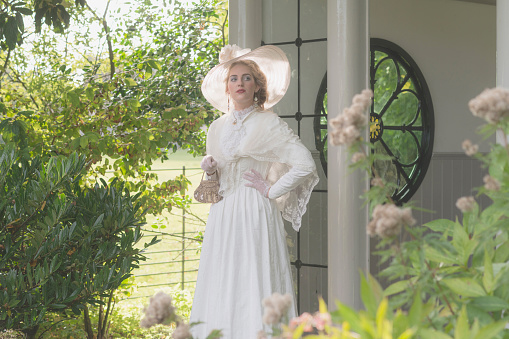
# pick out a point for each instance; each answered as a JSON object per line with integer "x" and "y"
{"x": 242, "y": 86}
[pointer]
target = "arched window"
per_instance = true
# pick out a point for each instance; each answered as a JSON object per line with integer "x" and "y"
{"x": 401, "y": 118}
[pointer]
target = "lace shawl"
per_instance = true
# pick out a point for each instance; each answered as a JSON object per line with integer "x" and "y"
{"x": 266, "y": 137}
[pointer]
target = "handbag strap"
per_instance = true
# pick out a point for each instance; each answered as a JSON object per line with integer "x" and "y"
{"x": 216, "y": 173}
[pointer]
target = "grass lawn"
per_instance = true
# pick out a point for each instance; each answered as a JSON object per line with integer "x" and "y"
{"x": 164, "y": 264}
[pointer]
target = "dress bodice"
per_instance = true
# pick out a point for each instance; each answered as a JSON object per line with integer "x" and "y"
{"x": 232, "y": 134}
{"x": 260, "y": 140}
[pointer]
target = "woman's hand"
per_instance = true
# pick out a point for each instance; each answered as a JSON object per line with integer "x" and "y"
{"x": 258, "y": 182}
{"x": 209, "y": 165}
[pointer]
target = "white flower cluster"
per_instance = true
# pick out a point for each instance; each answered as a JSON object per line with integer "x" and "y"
{"x": 159, "y": 310}
{"x": 465, "y": 204}
{"x": 388, "y": 219}
{"x": 492, "y": 104}
{"x": 491, "y": 183}
{"x": 469, "y": 148}
{"x": 229, "y": 52}
{"x": 347, "y": 125}
{"x": 275, "y": 307}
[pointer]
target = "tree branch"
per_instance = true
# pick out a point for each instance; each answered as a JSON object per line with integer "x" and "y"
{"x": 5, "y": 66}
{"x": 222, "y": 28}
{"x": 107, "y": 31}
{"x": 18, "y": 79}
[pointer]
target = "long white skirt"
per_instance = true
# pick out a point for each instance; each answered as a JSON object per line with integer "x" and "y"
{"x": 244, "y": 259}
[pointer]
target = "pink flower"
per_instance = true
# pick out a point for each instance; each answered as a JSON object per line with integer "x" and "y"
{"x": 321, "y": 320}
{"x": 306, "y": 319}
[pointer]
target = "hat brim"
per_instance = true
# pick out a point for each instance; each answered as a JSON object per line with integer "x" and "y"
{"x": 272, "y": 62}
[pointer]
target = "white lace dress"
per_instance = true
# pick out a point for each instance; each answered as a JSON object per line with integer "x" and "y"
{"x": 244, "y": 257}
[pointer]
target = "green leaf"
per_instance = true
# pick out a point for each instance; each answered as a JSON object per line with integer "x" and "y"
{"x": 461, "y": 330}
{"x": 467, "y": 287}
{"x": 130, "y": 82}
{"x": 443, "y": 226}
{"x": 502, "y": 253}
{"x": 11, "y": 32}
{"x": 350, "y": 316}
{"x": 491, "y": 330}
{"x": 57, "y": 306}
{"x": 397, "y": 287}
{"x": 24, "y": 11}
{"x": 435, "y": 255}
{"x": 154, "y": 64}
{"x": 415, "y": 313}
{"x": 84, "y": 142}
{"x": 491, "y": 303}
{"x": 73, "y": 98}
{"x": 409, "y": 333}
{"x": 89, "y": 92}
{"x": 215, "y": 334}
{"x": 19, "y": 22}
{"x": 368, "y": 297}
{"x": 488, "y": 279}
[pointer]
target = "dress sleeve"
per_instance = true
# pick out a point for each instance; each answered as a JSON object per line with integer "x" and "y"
{"x": 271, "y": 139}
{"x": 292, "y": 179}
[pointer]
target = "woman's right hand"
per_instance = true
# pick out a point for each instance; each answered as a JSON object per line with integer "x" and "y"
{"x": 208, "y": 164}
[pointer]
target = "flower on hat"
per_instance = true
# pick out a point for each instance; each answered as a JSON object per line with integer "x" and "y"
{"x": 229, "y": 52}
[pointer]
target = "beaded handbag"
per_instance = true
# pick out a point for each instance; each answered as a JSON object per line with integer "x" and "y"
{"x": 208, "y": 190}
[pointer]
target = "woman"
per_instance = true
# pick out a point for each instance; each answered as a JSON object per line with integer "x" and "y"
{"x": 264, "y": 171}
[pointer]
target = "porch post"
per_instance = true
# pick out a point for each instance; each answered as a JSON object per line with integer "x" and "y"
{"x": 502, "y": 48}
{"x": 245, "y": 23}
{"x": 347, "y": 75}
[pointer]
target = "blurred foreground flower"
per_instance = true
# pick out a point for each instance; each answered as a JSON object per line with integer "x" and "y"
{"x": 469, "y": 148}
{"x": 359, "y": 156}
{"x": 465, "y": 204}
{"x": 388, "y": 220}
{"x": 159, "y": 311}
{"x": 490, "y": 183}
{"x": 492, "y": 104}
{"x": 276, "y": 307}
{"x": 183, "y": 331}
{"x": 346, "y": 126}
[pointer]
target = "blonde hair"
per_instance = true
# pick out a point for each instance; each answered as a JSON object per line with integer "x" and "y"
{"x": 259, "y": 77}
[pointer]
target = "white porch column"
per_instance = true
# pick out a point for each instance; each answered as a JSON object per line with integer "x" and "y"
{"x": 245, "y": 24}
{"x": 347, "y": 75}
{"x": 502, "y": 48}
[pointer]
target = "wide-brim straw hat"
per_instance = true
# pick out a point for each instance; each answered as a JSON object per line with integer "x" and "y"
{"x": 272, "y": 62}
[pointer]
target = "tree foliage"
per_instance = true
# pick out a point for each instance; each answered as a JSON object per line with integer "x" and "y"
{"x": 122, "y": 121}
{"x": 55, "y": 14}
{"x": 62, "y": 245}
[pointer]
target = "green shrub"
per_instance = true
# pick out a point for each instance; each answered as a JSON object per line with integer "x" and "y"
{"x": 62, "y": 246}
